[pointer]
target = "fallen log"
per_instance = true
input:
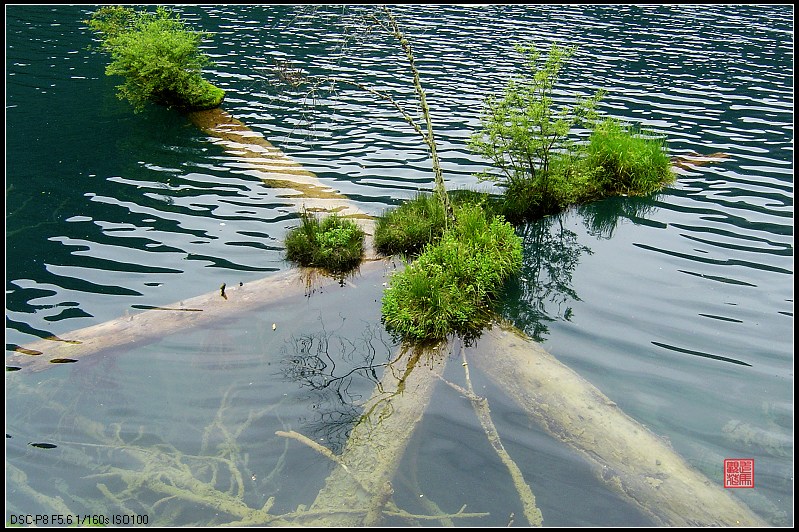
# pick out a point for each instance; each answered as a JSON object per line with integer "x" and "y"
{"x": 276, "y": 169}
{"x": 689, "y": 160}
{"x": 377, "y": 443}
{"x": 260, "y": 158}
{"x": 137, "y": 329}
{"x": 625, "y": 455}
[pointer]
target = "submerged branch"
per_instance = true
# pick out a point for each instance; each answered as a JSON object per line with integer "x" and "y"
{"x": 321, "y": 449}
{"x": 481, "y": 409}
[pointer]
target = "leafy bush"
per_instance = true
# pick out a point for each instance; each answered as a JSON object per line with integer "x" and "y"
{"x": 451, "y": 286}
{"x": 524, "y": 135}
{"x": 540, "y": 167}
{"x": 333, "y": 243}
{"x": 158, "y": 55}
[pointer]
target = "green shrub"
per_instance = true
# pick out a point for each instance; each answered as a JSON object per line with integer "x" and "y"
{"x": 450, "y": 288}
{"x": 569, "y": 181}
{"x": 332, "y": 243}
{"x": 158, "y": 55}
{"x": 542, "y": 168}
{"x": 524, "y": 134}
{"x": 625, "y": 161}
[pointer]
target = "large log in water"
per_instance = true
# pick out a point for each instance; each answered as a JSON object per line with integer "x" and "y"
{"x": 377, "y": 443}
{"x": 276, "y": 169}
{"x": 629, "y": 458}
{"x": 258, "y": 157}
{"x": 151, "y": 325}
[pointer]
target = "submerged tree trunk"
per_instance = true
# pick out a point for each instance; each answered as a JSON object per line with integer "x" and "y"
{"x": 377, "y": 443}
{"x": 626, "y": 456}
{"x": 263, "y": 160}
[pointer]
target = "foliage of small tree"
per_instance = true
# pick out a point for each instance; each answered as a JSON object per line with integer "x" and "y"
{"x": 540, "y": 164}
{"x": 158, "y": 55}
{"x": 524, "y": 133}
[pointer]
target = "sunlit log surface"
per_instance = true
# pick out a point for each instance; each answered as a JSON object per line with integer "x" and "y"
{"x": 259, "y": 158}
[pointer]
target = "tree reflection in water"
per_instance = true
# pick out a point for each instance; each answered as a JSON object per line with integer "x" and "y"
{"x": 542, "y": 291}
{"x": 340, "y": 371}
{"x": 601, "y": 218}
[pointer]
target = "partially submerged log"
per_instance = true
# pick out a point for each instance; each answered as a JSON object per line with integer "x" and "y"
{"x": 377, "y": 443}
{"x": 276, "y": 169}
{"x": 629, "y": 458}
{"x": 263, "y": 160}
{"x": 693, "y": 158}
{"x": 152, "y": 325}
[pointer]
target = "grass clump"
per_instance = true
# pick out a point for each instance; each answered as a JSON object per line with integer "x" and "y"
{"x": 158, "y": 55}
{"x": 451, "y": 286}
{"x": 624, "y": 160}
{"x": 332, "y": 243}
{"x": 408, "y": 228}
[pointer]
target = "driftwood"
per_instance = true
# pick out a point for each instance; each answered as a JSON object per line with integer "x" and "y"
{"x": 483, "y": 412}
{"x": 260, "y": 158}
{"x": 689, "y": 160}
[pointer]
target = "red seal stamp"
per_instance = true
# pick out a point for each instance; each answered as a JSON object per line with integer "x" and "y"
{"x": 739, "y": 473}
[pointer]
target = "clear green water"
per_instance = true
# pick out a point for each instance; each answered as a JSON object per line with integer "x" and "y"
{"x": 679, "y": 307}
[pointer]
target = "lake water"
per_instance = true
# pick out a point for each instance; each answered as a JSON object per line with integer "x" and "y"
{"x": 678, "y": 306}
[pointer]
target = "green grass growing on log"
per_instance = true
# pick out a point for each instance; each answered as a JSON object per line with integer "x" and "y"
{"x": 332, "y": 243}
{"x": 450, "y": 288}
